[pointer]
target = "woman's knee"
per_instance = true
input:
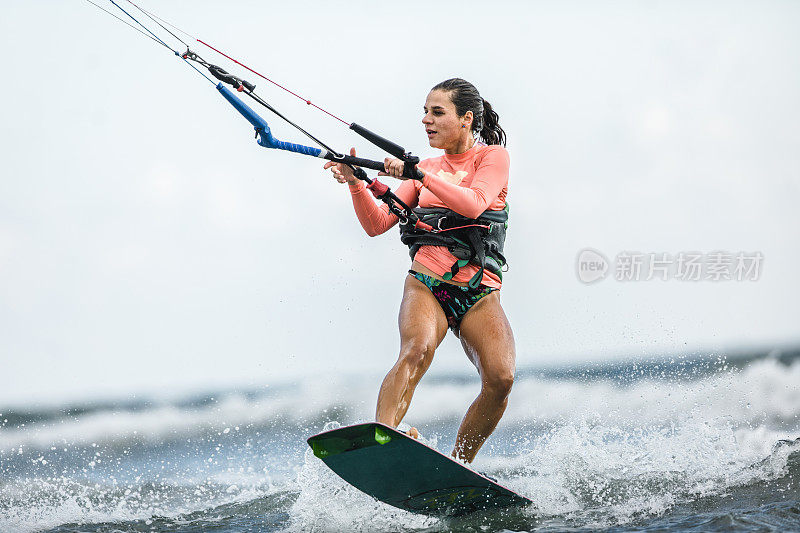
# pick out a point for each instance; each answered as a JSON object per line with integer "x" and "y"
{"x": 416, "y": 355}
{"x": 498, "y": 384}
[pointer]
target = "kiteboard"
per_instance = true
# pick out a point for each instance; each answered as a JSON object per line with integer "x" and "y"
{"x": 396, "y": 469}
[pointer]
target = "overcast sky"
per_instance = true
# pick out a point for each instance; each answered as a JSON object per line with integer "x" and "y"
{"x": 147, "y": 242}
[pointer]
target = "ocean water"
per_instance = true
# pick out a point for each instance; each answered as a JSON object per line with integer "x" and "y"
{"x": 688, "y": 444}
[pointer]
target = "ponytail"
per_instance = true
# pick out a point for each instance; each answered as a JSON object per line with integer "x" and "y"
{"x": 485, "y": 120}
{"x": 491, "y": 132}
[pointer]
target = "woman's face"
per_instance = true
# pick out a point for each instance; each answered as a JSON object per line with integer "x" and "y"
{"x": 442, "y": 124}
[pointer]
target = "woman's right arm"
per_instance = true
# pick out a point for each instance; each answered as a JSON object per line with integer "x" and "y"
{"x": 374, "y": 218}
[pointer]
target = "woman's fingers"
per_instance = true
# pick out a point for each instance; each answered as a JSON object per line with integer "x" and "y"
{"x": 336, "y": 171}
{"x": 341, "y": 173}
{"x": 394, "y": 167}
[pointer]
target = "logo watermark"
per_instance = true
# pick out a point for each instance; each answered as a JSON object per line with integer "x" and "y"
{"x": 592, "y": 266}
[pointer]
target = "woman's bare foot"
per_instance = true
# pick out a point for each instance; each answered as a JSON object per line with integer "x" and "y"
{"x": 413, "y": 433}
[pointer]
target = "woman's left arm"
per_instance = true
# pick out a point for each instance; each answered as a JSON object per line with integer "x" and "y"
{"x": 490, "y": 178}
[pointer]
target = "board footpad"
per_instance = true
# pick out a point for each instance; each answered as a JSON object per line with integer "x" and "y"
{"x": 324, "y": 447}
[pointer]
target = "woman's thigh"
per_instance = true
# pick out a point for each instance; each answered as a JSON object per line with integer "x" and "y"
{"x": 421, "y": 319}
{"x": 488, "y": 340}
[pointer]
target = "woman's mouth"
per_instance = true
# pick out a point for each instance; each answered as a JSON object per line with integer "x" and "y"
{"x": 430, "y": 133}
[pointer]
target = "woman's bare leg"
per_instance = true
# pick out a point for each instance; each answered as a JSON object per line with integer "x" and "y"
{"x": 423, "y": 326}
{"x": 489, "y": 343}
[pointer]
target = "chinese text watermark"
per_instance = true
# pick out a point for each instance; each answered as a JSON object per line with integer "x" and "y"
{"x": 593, "y": 266}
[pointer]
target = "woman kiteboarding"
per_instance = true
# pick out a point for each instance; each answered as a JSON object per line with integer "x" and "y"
{"x": 453, "y": 215}
{"x": 456, "y": 273}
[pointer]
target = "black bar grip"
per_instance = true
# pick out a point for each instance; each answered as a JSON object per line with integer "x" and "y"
{"x": 393, "y": 148}
{"x": 356, "y": 161}
{"x": 410, "y": 169}
{"x": 412, "y": 172}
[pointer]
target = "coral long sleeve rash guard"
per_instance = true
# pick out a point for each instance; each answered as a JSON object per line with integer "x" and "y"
{"x": 468, "y": 183}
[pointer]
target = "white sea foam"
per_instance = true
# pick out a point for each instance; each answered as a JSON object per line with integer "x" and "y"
{"x": 578, "y": 470}
{"x": 42, "y": 504}
{"x": 597, "y": 452}
{"x": 765, "y": 392}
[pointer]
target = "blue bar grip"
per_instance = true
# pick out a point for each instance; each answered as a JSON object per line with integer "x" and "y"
{"x": 298, "y": 148}
{"x": 265, "y": 137}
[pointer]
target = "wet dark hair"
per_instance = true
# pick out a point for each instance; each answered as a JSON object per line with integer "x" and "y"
{"x": 467, "y": 98}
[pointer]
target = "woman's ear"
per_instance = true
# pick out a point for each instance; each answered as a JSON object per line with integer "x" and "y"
{"x": 467, "y": 120}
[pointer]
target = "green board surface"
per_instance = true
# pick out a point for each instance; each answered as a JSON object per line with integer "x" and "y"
{"x": 401, "y": 471}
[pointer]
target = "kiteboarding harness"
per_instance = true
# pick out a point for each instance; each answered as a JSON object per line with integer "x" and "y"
{"x": 471, "y": 240}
